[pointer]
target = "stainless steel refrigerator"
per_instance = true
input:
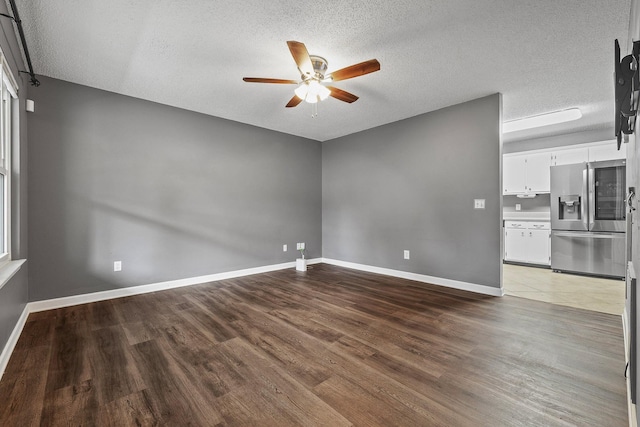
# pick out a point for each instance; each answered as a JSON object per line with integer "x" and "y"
{"x": 588, "y": 218}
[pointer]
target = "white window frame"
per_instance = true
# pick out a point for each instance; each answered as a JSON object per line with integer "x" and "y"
{"x": 8, "y": 101}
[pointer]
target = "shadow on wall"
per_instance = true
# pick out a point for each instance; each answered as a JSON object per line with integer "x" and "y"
{"x": 171, "y": 193}
{"x": 144, "y": 238}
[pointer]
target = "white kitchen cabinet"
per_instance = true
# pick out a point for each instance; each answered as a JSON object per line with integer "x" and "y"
{"x": 538, "y": 245}
{"x": 607, "y": 151}
{"x": 527, "y": 242}
{"x": 570, "y": 156}
{"x": 526, "y": 173}
{"x": 513, "y": 175}
{"x": 515, "y": 244}
{"x": 529, "y": 172}
{"x": 538, "y": 173}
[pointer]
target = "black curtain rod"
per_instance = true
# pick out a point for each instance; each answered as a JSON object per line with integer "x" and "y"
{"x": 16, "y": 19}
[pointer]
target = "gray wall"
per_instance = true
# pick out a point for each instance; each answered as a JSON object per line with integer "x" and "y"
{"x": 13, "y": 298}
{"x": 410, "y": 185}
{"x": 14, "y": 294}
{"x": 172, "y": 194}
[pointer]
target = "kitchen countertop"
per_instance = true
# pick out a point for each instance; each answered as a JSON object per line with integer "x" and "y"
{"x": 527, "y": 216}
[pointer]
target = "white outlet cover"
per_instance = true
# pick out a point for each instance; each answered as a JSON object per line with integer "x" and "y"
{"x": 478, "y": 203}
{"x": 407, "y": 255}
{"x": 284, "y": 248}
{"x": 518, "y": 206}
{"x": 117, "y": 266}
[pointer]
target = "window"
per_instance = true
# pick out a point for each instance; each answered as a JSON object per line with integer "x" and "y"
{"x": 8, "y": 97}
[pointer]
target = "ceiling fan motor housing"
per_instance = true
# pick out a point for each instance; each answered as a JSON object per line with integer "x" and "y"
{"x": 319, "y": 67}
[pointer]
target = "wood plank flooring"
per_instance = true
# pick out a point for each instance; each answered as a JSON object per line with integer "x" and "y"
{"x": 330, "y": 347}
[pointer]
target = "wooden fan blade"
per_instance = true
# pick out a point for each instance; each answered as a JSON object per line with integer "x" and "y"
{"x": 301, "y": 56}
{"x": 360, "y": 69}
{"x": 261, "y": 80}
{"x": 294, "y": 101}
{"x": 342, "y": 95}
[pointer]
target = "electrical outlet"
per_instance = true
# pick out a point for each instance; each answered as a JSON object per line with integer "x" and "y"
{"x": 518, "y": 206}
{"x": 284, "y": 248}
{"x": 117, "y": 266}
{"x": 478, "y": 203}
{"x": 407, "y": 255}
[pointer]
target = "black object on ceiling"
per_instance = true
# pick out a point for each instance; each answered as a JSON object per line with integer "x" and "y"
{"x": 16, "y": 19}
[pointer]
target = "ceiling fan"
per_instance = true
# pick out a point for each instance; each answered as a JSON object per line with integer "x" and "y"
{"x": 312, "y": 69}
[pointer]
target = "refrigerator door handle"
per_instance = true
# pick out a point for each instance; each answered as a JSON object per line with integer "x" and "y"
{"x": 587, "y": 235}
{"x": 591, "y": 188}
{"x": 585, "y": 198}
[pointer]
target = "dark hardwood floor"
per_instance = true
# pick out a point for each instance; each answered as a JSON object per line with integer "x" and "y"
{"x": 329, "y": 347}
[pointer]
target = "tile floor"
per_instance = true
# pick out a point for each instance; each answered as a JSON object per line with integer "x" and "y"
{"x": 542, "y": 284}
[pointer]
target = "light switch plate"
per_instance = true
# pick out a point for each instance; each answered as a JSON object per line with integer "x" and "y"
{"x": 407, "y": 255}
{"x": 518, "y": 206}
{"x": 478, "y": 203}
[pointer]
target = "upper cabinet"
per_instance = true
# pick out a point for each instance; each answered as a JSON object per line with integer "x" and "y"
{"x": 526, "y": 173}
{"x": 607, "y": 152}
{"x": 513, "y": 175}
{"x": 569, "y": 156}
{"x": 537, "y": 173}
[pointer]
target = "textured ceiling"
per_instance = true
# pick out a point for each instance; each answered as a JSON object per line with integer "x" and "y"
{"x": 542, "y": 55}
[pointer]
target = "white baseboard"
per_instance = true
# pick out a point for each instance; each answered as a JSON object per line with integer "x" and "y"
{"x": 625, "y": 326}
{"x": 631, "y": 408}
{"x": 51, "y": 304}
{"x": 456, "y": 284}
{"x": 13, "y": 340}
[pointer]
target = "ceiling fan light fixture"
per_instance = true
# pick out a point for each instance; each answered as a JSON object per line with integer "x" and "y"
{"x": 302, "y": 90}
{"x": 318, "y": 91}
{"x": 312, "y": 91}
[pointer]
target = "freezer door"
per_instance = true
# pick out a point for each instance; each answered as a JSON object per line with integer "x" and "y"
{"x": 601, "y": 254}
{"x": 569, "y": 204}
{"x": 607, "y": 190}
